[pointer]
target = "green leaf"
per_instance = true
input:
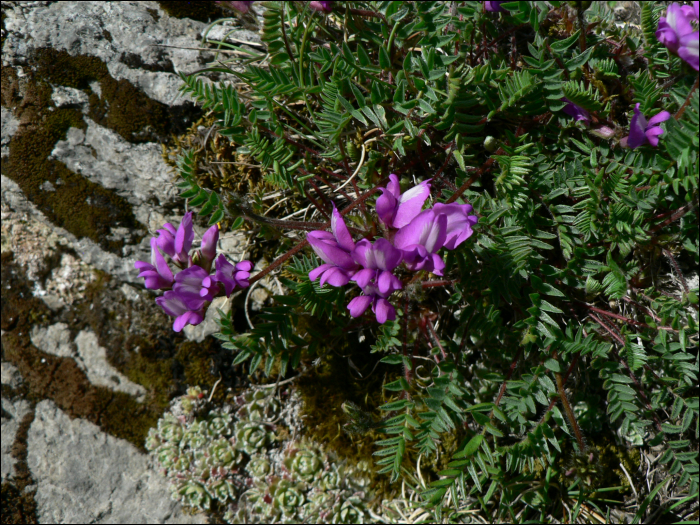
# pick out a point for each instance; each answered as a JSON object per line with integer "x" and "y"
{"x": 473, "y": 445}
{"x": 384, "y": 61}
{"x": 553, "y": 365}
{"x": 563, "y": 45}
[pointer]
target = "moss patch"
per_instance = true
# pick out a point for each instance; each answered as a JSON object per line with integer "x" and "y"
{"x": 18, "y": 504}
{"x": 120, "y": 106}
{"x": 82, "y": 207}
{"x": 60, "y": 379}
{"x": 200, "y": 11}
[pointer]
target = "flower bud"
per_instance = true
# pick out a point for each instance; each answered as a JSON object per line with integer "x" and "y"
{"x": 490, "y": 144}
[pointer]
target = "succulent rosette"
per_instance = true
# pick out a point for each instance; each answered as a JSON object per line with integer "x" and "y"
{"x": 252, "y": 436}
{"x": 305, "y": 463}
{"x": 259, "y": 466}
{"x": 287, "y": 497}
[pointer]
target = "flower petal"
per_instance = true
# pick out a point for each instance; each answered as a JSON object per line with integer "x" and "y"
{"x": 688, "y": 50}
{"x": 410, "y": 204}
{"x": 652, "y": 135}
{"x": 394, "y": 186}
{"x": 359, "y": 305}
{"x": 386, "y": 256}
{"x": 314, "y": 274}
{"x": 335, "y": 277}
{"x": 384, "y": 311}
{"x": 363, "y": 277}
{"x": 660, "y": 117}
{"x": 410, "y": 234}
{"x": 638, "y": 126}
{"x": 209, "y": 240}
{"x": 329, "y": 250}
{"x": 340, "y": 231}
{"x": 184, "y": 236}
{"x": 386, "y": 207}
{"x": 191, "y": 317}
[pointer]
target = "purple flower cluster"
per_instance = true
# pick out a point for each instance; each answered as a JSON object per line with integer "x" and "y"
{"x": 189, "y": 291}
{"x": 413, "y": 236}
{"x": 676, "y": 32}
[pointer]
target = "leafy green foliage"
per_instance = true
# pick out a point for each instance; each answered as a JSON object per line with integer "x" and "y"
{"x": 564, "y": 325}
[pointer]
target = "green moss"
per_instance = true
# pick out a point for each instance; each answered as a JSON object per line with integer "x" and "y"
{"x": 201, "y": 11}
{"x": 323, "y": 391}
{"x": 120, "y": 106}
{"x": 84, "y": 208}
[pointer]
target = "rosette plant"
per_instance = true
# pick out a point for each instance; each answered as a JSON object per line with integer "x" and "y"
{"x": 495, "y": 204}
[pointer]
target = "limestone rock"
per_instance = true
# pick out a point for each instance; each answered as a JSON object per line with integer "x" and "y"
{"x": 86, "y": 476}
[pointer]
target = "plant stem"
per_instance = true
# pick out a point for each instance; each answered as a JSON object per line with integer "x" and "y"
{"x": 567, "y": 408}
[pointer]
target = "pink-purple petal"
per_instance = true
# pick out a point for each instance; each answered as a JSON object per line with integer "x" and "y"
{"x": 386, "y": 207}
{"x": 363, "y": 277}
{"x": 410, "y": 204}
{"x": 341, "y": 232}
{"x": 652, "y": 135}
{"x": 394, "y": 186}
{"x": 359, "y": 305}
{"x": 209, "y": 241}
{"x": 316, "y": 272}
{"x": 244, "y": 266}
{"x": 184, "y": 236}
{"x": 384, "y": 311}
{"x": 660, "y": 117}
{"x": 688, "y": 49}
{"x": 637, "y": 128}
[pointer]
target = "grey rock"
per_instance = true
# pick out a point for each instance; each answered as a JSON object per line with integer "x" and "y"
{"x": 12, "y": 414}
{"x": 114, "y": 32}
{"x": 92, "y": 358}
{"x": 208, "y": 326}
{"x": 54, "y": 340}
{"x": 86, "y": 476}
{"x": 88, "y": 354}
{"x": 9, "y": 128}
{"x": 10, "y": 375}
{"x": 67, "y": 96}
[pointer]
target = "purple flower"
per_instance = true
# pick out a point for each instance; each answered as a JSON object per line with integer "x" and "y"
{"x": 643, "y": 132}
{"x": 326, "y": 7}
{"x": 209, "y": 240}
{"x": 335, "y": 249}
{"x": 676, "y": 32}
{"x": 459, "y": 222}
{"x": 421, "y": 239}
{"x": 189, "y": 286}
{"x": 494, "y": 7}
{"x": 380, "y": 306}
{"x": 177, "y": 244}
{"x": 396, "y": 209}
{"x": 445, "y": 225}
{"x": 688, "y": 50}
{"x": 242, "y": 5}
{"x": 157, "y": 274}
{"x": 575, "y": 111}
{"x": 231, "y": 276}
{"x": 378, "y": 262}
{"x": 174, "y": 305}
